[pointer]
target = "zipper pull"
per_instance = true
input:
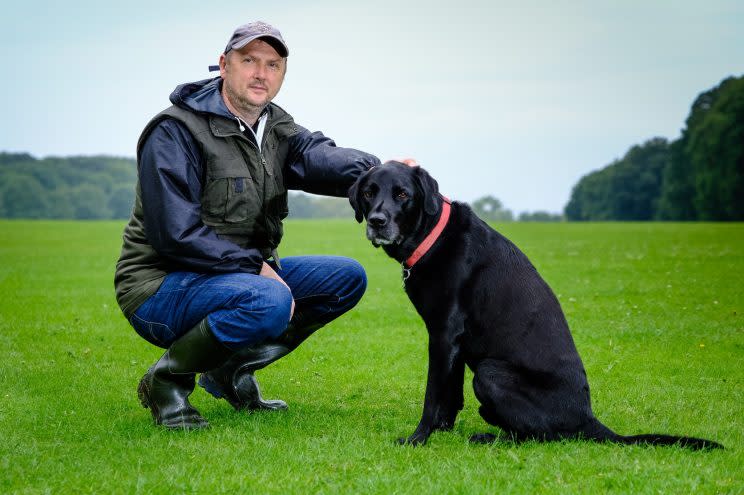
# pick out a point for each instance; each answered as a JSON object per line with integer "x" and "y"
{"x": 266, "y": 166}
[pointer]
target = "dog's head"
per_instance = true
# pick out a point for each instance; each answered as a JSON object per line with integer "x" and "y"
{"x": 393, "y": 198}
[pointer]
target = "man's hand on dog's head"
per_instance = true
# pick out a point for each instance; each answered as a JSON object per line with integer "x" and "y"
{"x": 411, "y": 162}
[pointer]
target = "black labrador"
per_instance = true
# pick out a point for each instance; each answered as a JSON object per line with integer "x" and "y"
{"x": 485, "y": 306}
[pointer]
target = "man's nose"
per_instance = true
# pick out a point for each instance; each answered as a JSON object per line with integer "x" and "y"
{"x": 260, "y": 72}
{"x": 377, "y": 220}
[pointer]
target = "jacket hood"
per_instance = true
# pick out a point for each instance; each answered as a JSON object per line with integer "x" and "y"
{"x": 201, "y": 96}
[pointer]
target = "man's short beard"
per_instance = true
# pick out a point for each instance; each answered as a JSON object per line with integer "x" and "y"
{"x": 243, "y": 105}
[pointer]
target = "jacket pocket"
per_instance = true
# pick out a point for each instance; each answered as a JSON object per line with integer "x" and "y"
{"x": 230, "y": 199}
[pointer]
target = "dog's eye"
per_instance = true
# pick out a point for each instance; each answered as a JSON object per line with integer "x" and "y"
{"x": 402, "y": 195}
{"x": 368, "y": 194}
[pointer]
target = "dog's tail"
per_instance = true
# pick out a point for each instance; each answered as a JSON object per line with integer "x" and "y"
{"x": 655, "y": 439}
{"x": 601, "y": 433}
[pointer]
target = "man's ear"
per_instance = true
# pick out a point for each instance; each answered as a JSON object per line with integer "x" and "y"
{"x": 353, "y": 193}
{"x": 222, "y": 65}
{"x": 429, "y": 190}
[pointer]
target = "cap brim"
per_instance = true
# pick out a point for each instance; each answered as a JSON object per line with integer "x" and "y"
{"x": 275, "y": 42}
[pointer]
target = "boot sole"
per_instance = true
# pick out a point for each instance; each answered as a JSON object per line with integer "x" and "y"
{"x": 143, "y": 395}
{"x": 218, "y": 392}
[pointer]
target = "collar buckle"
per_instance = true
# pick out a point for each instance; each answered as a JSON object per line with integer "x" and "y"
{"x": 406, "y": 274}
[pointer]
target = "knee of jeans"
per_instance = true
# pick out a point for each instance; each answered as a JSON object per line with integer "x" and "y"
{"x": 357, "y": 283}
{"x": 277, "y": 312}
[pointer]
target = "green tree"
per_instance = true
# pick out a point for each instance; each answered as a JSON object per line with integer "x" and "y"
{"x": 587, "y": 197}
{"x": 641, "y": 173}
{"x": 677, "y": 186}
{"x": 716, "y": 152}
{"x": 24, "y": 197}
{"x": 62, "y": 208}
{"x": 539, "y": 216}
{"x": 73, "y": 187}
{"x": 12, "y": 158}
{"x": 698, "y": 177}
{"x": 490, "y": 209}
{"x": 704, "y": 179}
{"x": 88, "y": 202}
{"x": 120, "y": 201}
{"x": 303, "y": 205}
{"x": 627, "y": 189}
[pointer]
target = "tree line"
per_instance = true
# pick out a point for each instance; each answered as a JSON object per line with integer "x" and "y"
{"x": 98, "y": 188}
{"x": 103, "y": 187}
{"x": 76, "y": 187}
{"x": 699, "y": 176}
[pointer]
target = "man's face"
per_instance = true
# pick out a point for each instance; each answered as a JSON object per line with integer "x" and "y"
{"x": 252, "y": 75}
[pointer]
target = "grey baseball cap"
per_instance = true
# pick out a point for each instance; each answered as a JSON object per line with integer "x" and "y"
{"x": 257, "y": 30}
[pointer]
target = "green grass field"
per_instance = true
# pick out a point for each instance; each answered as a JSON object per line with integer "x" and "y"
{"x": 655, "y": 309}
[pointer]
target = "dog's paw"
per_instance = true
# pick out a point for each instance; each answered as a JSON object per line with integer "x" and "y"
{"x": 414, "y": 440}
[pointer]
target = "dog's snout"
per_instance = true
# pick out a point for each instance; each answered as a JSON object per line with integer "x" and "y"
{"x": 377, "y": 220}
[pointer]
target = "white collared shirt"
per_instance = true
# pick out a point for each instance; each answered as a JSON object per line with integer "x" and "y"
{"x": 259, "y": 132}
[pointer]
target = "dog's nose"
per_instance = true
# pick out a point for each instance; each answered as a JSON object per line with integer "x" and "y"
{"x": 377, "y": 220}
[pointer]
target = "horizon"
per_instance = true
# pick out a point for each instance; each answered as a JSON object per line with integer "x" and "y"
{"x": 517, "y": 101}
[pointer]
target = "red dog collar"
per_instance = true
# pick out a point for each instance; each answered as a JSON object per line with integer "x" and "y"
{"x": 430, "y": 239}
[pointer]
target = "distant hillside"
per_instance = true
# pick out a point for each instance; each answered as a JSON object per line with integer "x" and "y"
{"x": 100, "y": 187}
{"x": 79, "y": 187}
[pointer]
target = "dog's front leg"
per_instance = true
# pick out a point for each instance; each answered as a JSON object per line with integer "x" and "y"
{"x": 444, "y": 396}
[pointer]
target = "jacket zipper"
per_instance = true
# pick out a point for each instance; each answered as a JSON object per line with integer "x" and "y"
{"x": 241, "y": 127}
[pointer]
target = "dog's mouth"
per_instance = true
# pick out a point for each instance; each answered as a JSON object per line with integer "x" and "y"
{"x": 382, "y": 238}
{"x": 379, "y": 241}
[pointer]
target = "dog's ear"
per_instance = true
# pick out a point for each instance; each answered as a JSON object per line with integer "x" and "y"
{"x": 429, "y": 190}
{"x": 353, "y": 193}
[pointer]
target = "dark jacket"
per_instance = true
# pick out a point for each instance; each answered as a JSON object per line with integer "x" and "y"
{"x": 170, "y": 228}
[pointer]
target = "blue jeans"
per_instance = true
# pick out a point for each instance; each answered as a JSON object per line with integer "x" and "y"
{"x": 244, "y": 309}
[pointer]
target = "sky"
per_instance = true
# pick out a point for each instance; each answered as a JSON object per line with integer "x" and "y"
{"x": 515, "y": 99}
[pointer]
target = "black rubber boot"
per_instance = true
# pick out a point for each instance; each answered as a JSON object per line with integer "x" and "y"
{"x": 166, "y": 386}
{"x": 235, "y": 381}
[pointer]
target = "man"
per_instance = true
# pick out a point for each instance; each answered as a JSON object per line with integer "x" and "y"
{"x": 199, "y": 272}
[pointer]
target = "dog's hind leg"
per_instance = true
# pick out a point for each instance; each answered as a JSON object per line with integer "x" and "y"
{"x": 500, "y": 390}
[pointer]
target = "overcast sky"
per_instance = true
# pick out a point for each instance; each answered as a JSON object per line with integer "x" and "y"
{"x": 516, "y": 99}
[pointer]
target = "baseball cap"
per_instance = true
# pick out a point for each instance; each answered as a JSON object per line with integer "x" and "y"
{"x": 257, "y": 30}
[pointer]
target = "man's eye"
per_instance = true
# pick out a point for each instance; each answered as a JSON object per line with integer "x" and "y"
{"x": 402, "y": 195}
